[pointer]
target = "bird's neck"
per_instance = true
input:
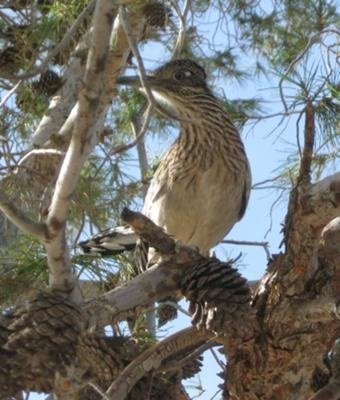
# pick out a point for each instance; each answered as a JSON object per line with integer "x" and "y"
{"x": 212, "y": 135}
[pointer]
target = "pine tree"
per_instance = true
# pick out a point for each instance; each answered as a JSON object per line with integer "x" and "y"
{"x": 73, "y": 157}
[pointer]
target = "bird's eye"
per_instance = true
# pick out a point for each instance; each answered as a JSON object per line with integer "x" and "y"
{"x": 180, "y": 75}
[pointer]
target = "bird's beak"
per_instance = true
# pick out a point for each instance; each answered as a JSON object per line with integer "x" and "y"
{"x": 129, "y": 81}
{"x": 134, "y": 81}
{"x": 163, "y": 106}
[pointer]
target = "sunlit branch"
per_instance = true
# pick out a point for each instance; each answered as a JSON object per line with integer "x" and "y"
{"x": 20, "y": 219}
{"x": 82, "y": 141}
{"x": 135, "y": 51}
{"x": 182, "y": 16}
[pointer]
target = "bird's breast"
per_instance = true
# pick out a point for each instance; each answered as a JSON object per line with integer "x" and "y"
{"x": 197, "y": 202}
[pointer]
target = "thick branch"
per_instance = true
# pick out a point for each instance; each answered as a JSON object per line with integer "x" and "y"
{"x": 81, "y": 144}
{"x": 156, "y": 283}
{"x": 329, "y": 392}
{"x": 152, "y": 359}
{"x": 63, "y": 109}
{"x": 330, "y": 239}
{"x": 332, "y": 390}
{"x": 322, "y": 202}
{"x": 62, "y": 103}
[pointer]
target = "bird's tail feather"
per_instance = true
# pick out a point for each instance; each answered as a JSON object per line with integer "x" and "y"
{"x": 110, "y": 242}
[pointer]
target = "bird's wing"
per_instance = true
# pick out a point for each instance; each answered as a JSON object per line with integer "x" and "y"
{"x": 245, "y": 193}
{"x": 111, "y": 241}
{"x": 155, "y": 192}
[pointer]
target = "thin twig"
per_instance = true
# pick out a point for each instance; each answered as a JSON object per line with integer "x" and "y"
{"x": 217, "y": 393}
{"x": 9, "y": 94}
{"x": 177, "y": 364}
{"x": 290, "y": 66}
{"x": 219, "y": 362}
{"x": 182, "y": 15}
{"x": 139, "y": 136}
{"x": 141, "y": 70}
{"x": 257, "y": 184}
{"x": 98, "y": 390}
{"x": 141, "y": 151}
{"x": 274, "y": 115}
{"x": 69, "y": 34}
{"x": 264, "y": 245}
{"x": 297, "y": 124}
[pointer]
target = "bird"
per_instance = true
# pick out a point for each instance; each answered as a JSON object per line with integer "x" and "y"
{"x": 201, "y": 186}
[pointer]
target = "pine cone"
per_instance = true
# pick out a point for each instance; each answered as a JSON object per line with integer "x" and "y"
{"x": 48, "y": 84}
{"x": 9, "y": 60}
{"x": 192, "y": 368}
{"x": 101, "y": 358}
{"x": 216, "y": 283}
{"x": 43, "y": 337}
{"x": 166, "y": 313}
{"x": 216, "y": 291}
{"x": 157, "y": 14}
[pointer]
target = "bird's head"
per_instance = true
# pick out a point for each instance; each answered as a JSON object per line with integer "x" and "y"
{"x": 173, "y": 85}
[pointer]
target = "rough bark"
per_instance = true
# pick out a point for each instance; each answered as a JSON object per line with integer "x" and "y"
{"x": 296, "y": 304}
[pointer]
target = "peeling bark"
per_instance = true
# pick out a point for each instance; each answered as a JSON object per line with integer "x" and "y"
{"x": 297, "y": 301}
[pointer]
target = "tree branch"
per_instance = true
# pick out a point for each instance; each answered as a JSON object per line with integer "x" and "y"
{"x": 182, "y": 16}
{"x": 177, "y": 364}
{"x": 152, "y": 359}
{"x": 10, "y": 93}
{"x": 332, "y": 389}
{"x": 308, "y": 148}
{"x": 138, "y": 136}
{"x": 330, "y": 392}
{"x": 63, "y": 108}
{"x": 20, "y": 219}
{"x": 135, "y": 51}
{"x": 82, "y": 142}
{"x": 321, "y": 203}
{"x": 264, "y": 245}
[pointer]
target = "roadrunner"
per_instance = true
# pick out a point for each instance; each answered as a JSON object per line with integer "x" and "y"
{"x": 201, "y": 187}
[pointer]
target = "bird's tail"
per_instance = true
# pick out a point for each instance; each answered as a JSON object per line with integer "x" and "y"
{"x": 110, "y": 242}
